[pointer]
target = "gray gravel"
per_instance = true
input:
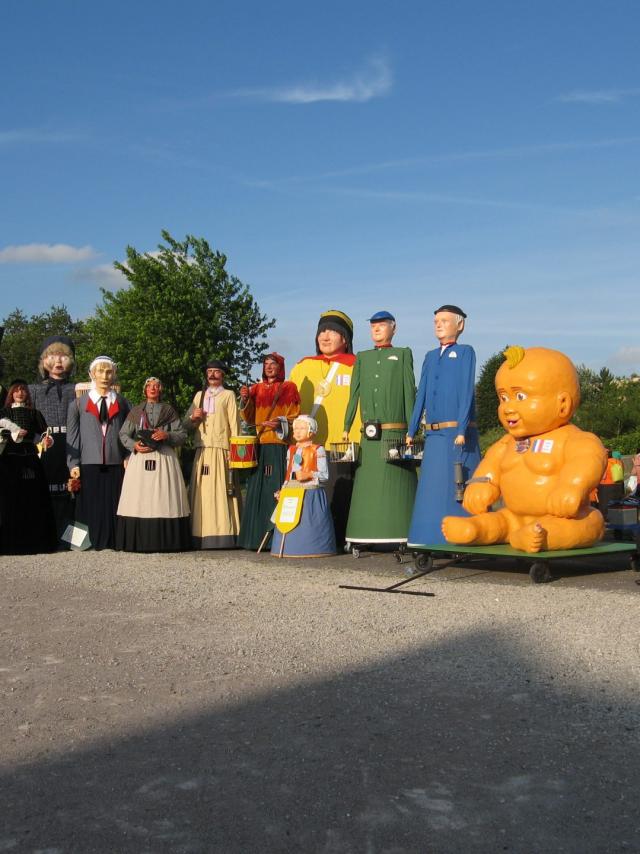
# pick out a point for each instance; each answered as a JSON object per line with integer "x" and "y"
{"x": 228, "y": 702}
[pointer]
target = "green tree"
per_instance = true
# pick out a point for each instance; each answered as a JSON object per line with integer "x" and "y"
{"x": 181, "y": 309}
{"x": 610, "y": 406}
{"x": 23, "y": 337}
{"x": 486, "y": 397}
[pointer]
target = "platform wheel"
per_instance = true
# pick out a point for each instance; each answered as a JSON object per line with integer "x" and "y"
{"x": 424, "y": 562}
{"x": 539, "y": 572}
{"x": 355, "y": 551}
{"x": 634, "y": 563}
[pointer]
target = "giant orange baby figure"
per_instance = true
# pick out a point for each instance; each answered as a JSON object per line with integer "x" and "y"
{"x": 543, "y": 469}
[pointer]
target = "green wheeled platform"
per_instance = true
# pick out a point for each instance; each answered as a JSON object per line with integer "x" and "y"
{"x": 539, "y": 570}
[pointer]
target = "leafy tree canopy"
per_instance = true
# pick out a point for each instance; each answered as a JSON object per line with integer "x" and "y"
{"x": 23, "y": 337}
{"x": 486, "y": 397}
{"x": 181, "y": 309}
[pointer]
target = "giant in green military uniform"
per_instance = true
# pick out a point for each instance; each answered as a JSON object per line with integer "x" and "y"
{"x": 383, "y": 493}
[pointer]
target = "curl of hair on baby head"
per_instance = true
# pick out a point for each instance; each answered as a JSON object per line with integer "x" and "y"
{"x": 514, "y": 355}
{"x": 312, "y": 424}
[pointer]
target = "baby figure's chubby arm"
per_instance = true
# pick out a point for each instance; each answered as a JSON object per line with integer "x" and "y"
{"x": 584, "y": 463}
{"x": 479, "y": 496}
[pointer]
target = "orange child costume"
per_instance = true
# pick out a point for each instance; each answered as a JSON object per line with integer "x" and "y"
{"x": 544, "y": 468}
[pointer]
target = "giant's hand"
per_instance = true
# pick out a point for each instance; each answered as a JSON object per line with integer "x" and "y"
{"x": 478, "y": 497}
{"x": 565, "y": 501}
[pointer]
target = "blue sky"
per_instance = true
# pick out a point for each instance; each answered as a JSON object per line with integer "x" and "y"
{"x": 352, "y": 155}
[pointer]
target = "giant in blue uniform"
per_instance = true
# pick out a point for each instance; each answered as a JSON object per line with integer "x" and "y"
{"x": 445, "y": 394}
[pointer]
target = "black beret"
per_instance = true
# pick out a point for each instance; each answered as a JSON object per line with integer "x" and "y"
{"x": 454, "y": 309}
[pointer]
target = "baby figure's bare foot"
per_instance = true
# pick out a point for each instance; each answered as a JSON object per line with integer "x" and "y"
{"x": 458, "y": 529}
{"x": 529, "y": 538}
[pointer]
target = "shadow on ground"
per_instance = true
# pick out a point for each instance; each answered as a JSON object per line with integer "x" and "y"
{"x": 415, "y": 754}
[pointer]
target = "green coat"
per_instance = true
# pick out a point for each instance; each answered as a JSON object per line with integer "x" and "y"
{"x": 383, "y": 383}
{"x": 383, "y": 493}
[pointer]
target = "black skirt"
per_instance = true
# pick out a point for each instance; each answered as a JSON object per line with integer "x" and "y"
{"x": 27, "y": 524}
{"x": 153, "y": 535}
{"x": 97, "y": 502}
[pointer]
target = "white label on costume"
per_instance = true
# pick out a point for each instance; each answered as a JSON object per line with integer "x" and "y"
{"x": 392, "y": 358}
{"x": 288, "y": 509}
{"x": 343, "y": 379}
{"x": 453, "y": 355}
{"x": 542, "y": 446}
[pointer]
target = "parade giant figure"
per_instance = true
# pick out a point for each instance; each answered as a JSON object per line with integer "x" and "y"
{"x": 270, "y": 406}
{"x": 52, "y": 397}
{"x": 28, "y": 525}
{"x": 95, "y": 454}
{"x": 446, "y": 400}
{"x": 310, "y": 532}
{"x": 384, "y": 386}
{"x": 543, "y": 469}
{"x": 324, "y": 383}
{"x": 214, "y": 493}
{"x": 153, "y": 512}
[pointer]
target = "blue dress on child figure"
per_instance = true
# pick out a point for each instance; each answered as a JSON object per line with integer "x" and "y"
{"x": 446, "y": 393}
{"x": 313, "y": 536}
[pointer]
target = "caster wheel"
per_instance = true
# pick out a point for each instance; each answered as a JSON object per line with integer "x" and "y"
{"x": 355, "y": 551}
{"x": 539, "y": 573}
{"x": 424, "y": 563}
{"x": 398, "y": 557}
{"x": 634, "y": 565}
{"x": 347, "y": 547}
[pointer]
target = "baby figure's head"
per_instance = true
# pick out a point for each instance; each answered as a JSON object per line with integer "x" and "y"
{"x": 538, "y": 391}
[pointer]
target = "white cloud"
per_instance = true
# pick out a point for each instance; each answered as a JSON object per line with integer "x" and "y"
{"x": 104, "y": 275}
{"x": 598, "y": 96}
{"x": 373, "y": 81}
{"x": 45, "y": 253}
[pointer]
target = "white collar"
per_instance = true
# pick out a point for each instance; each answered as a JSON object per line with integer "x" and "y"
{"x": 95, "y": 396}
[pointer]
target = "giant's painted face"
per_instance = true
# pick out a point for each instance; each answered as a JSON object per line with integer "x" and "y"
{"x": 103, "y": 374}
{"x": 537, "y": 395}
{"x": 447, "y": 326}
{"x": 382, "y": 332}
{"x": 301, "y": 430}
{"x": 331, "y": 342}
{"x": 57, "y": 361}
{"x": 153, "y": 391}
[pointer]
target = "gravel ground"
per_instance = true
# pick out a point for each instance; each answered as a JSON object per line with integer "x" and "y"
{"x": 228, "y": 702}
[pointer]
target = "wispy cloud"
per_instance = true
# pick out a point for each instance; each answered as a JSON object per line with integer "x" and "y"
{"x": 513, "y": 152}
{"x": 626, "y": 356}
{"x": 598, "y": 96}
{"x": 374, "y": 80}
{"x": 46, "y": 253}
{"x": 22, "y": 136}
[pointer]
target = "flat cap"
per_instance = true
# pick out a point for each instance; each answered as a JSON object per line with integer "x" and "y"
{"x": 380, "y": 316}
